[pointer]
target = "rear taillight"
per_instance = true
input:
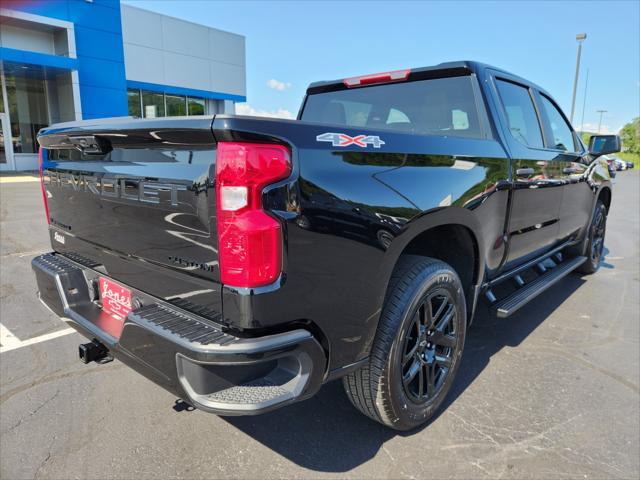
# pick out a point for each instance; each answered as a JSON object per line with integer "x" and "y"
{"x": 249, "y": 239}
{"x": 44, "y": 193}
{"x": 375, "y": 78}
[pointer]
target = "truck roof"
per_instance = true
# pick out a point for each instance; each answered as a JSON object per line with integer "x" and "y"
{"x": 460, "y": 67}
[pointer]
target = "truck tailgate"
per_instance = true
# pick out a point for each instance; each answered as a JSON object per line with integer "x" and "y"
{"x": 136, "y": 199}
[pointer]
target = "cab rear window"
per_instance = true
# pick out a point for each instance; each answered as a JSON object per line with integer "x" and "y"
{"x": 441, "y": 106}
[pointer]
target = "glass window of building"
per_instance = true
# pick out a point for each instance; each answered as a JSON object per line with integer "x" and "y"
{"x": 3, "y": 154}
{"x": 27, "y": 108}
{"x": 176, "y": 105}
{"x": 133, "y": 96}
{"x": 196, "y": 106}
{"x": 153, "y": 104}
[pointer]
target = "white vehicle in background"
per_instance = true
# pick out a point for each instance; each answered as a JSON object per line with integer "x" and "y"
{"x": 620, "y": 164}
{"x": 611, "y": 164}
{"x": 615, "y": 164}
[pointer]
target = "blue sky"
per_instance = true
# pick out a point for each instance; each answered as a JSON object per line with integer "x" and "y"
{"x": 290, "y": 44}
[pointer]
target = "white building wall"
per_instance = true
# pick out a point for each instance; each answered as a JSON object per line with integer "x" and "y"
{"x": 169, "y": 51}
{"x": 13, "y": 36}
{"x": 26, "y": 31}
{"x": 229, "y": 107}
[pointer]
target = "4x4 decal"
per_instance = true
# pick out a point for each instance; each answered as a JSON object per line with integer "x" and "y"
{"x": 344, "y": 140}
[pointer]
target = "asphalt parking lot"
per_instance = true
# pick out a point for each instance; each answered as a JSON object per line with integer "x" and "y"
{"x": 552, "y": 392}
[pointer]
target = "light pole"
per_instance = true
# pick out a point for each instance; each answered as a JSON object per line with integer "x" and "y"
{"x": 580, "y": 38}
{"x": 584, "y": 101}
{"x": 600, "y": 122}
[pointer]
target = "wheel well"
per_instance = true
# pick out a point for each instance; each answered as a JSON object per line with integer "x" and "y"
{"x": 605, "y": 196}
{"x": 453, "y": 244}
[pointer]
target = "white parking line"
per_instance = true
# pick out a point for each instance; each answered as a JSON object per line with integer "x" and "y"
{"x": 23, "y": 254}
{"x": 8, "y": 341}
{"x": 19, "y": 179}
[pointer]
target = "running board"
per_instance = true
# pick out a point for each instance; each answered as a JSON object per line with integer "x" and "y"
{"x": 524, "y": 295}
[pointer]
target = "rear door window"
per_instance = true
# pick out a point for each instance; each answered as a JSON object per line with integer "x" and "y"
{"x": 521, "y": 114}
{"x": 442, "y": 106}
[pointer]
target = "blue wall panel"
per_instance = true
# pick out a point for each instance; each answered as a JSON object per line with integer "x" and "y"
{"x": 97, "y": 72}
{"x": 95, "y": 15}
{"x": 35, "y": 58}
{"x": 47, "y": 8}
{"x": 110, "y": 44}
{"x": 103, "y": 100}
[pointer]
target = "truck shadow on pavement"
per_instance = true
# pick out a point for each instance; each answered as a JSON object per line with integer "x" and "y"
{"x": 326, "y": 433}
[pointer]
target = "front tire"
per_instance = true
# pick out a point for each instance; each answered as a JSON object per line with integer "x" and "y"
{"x": 417, "y": 348}
{"x": 595, "y": 241}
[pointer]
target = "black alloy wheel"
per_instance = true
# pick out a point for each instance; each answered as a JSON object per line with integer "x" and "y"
{"x": 428, "y": 347}
{"x": 598, "y": 229}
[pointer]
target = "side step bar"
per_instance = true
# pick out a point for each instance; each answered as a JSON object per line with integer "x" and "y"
{"x": 530, "y": 264}
{"x": 524, "y": 295}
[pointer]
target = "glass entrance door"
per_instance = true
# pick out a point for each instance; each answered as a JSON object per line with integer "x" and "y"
{"x": 6, "y": 145}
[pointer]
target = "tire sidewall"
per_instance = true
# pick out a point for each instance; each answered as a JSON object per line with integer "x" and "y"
{"x": 591, "y": 265}
{"x": 405, "y": 413}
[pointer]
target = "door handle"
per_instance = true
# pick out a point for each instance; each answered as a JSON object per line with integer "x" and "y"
{"x": 570, "y": 170}
{"x": 523, "y": 172}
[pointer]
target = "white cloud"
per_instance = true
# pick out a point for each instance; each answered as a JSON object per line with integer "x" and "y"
{"x": 278, "y": 85}
{"x": 246, "y": 109}
{"x": 593, "y": 128}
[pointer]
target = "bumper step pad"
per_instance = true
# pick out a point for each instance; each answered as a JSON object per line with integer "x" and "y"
{"x": 255, "y": 392}
{"x": 54, "y": 264}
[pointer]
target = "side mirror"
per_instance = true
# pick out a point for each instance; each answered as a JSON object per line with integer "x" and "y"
{"x": 604, "y": 144}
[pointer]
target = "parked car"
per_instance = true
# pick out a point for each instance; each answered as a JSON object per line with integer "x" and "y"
{"x": 242, "y": 262}
{"x": 620, "y": 164}
{"x": 611, "y": 164}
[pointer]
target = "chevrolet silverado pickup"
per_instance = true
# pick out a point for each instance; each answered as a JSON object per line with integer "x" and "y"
{"x": 241, "y": 262}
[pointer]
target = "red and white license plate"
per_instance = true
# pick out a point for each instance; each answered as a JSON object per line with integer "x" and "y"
{"x": 116, "y": 300}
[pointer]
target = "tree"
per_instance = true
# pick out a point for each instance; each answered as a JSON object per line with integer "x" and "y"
{"x": 586, "y": 136}
{"x": 630, "y": 136}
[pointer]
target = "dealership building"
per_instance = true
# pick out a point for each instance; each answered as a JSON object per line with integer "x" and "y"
{"x": 65, "y": 60}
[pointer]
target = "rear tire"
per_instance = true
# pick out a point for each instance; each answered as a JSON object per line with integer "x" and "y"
{"x": 417, "y": 348}
{"x": 595, "y": 240}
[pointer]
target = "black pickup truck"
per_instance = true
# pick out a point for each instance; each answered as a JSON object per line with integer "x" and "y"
{"x": 242, "y": 262}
